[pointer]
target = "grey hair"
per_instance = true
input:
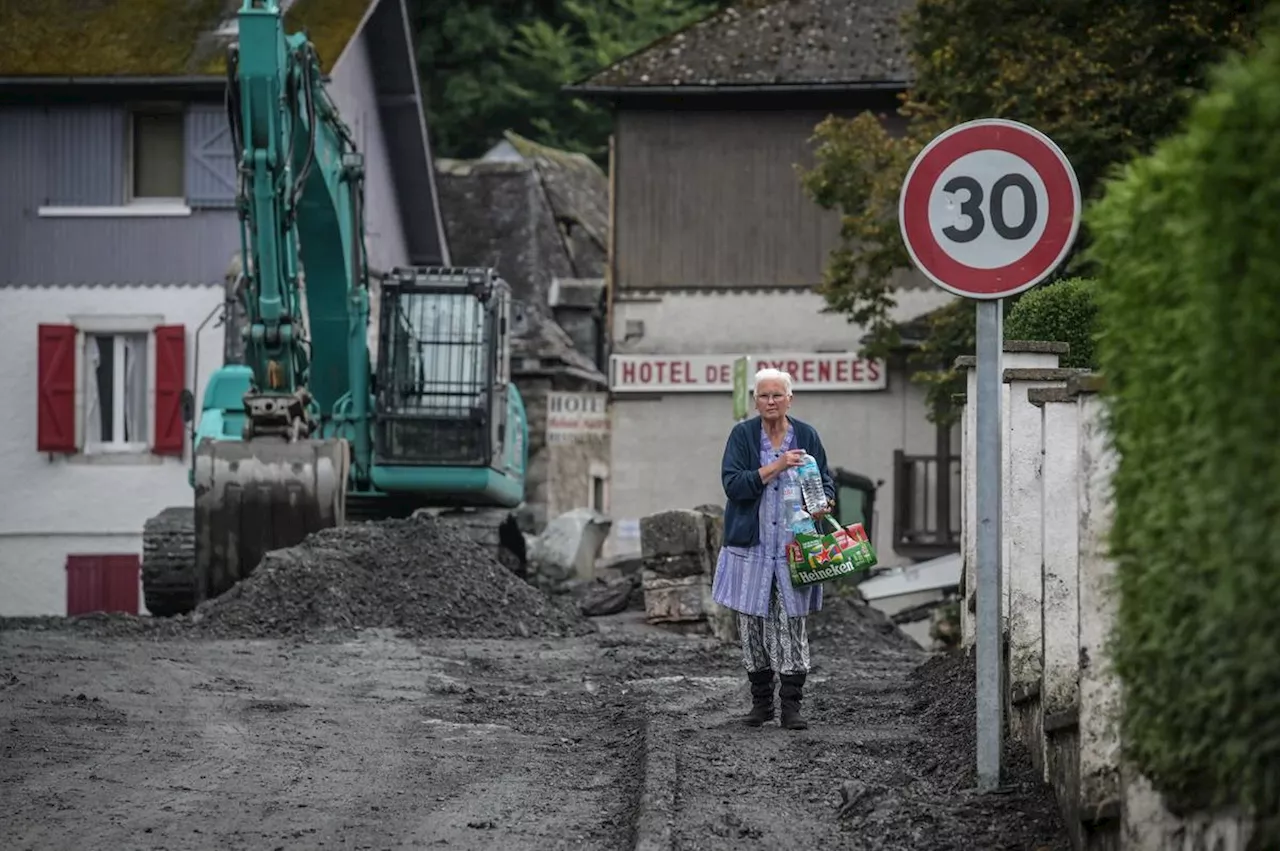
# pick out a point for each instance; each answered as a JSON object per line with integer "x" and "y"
{"x": 770, "y": 374}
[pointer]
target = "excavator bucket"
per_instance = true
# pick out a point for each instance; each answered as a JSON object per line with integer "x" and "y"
{"x": 261, "y": 495}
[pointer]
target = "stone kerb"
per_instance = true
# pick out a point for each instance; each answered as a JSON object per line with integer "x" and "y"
{"x": 1017, "y": 354}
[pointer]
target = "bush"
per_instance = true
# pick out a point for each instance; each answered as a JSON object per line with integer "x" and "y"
{"x": 1189, "y": 302}
{"x": 1062, "y": 312}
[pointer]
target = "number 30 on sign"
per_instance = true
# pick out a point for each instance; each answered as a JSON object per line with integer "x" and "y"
{"x": 989, "y": 209}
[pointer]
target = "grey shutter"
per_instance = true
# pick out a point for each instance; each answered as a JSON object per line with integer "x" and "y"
{"x": 211, "y": 161}
{"x": 85, "y": 156}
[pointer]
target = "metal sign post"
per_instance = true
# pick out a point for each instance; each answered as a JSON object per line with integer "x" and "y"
{"x": 988, "y": 210}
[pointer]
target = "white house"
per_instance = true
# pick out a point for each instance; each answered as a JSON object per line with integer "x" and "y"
{"x": 119, "y": 223}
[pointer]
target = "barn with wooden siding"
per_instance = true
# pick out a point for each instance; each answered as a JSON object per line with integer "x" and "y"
{"x": 716, "y": 252}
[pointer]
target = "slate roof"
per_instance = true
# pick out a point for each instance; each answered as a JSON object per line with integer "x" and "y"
{"x": 535, "y": 219}
{"x": 150, "y": 38}
{"x": 763, "y": 43}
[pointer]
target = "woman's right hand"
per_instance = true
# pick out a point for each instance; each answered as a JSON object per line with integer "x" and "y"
{"x": 791, "y": 458}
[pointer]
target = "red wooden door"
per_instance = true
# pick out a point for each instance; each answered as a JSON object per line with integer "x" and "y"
{"x": 103, "y": 583}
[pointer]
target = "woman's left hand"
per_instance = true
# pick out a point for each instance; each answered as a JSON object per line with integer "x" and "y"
{"x": 822, "y": 512}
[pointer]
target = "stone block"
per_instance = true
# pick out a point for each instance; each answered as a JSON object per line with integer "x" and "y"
{"x": 722, "y": 621}
{"x": 672, "y": 600}
{"x": 715, "y": 531}
{"x": 670, "y": 533}
{"x": 685, "y": 564}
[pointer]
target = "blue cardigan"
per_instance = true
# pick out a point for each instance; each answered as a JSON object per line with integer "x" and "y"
{"x": 740, "y": 474}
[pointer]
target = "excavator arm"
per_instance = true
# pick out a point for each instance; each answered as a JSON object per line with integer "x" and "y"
{"x": 293, "y": 438}
{"x": 301, "y": 207}
{"x": 305, "y": 401}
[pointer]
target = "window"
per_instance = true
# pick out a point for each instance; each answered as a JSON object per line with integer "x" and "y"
{"x": 597, "y": 494}
{"x": 115, "y": 392}
{"x": 111, "y": 386}
{"x": 598, "y": 484}
{"x": 156, "y": 156}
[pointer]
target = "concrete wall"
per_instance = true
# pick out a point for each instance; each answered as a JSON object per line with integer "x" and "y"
{"x": 667, "y": 448}
{"x": 55, "y": 505}
{"x": 1063, "y": 698}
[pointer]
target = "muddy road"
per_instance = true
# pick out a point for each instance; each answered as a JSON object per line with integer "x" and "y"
{"x": 624, "y": 738}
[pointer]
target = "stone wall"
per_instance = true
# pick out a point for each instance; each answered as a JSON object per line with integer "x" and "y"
{"x": 1061, "y": 696}
{"x": 558, "y": 478}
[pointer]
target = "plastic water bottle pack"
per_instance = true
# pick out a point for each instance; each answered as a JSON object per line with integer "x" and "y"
{"x": 798, "y": 520}
{"x": 811, "y": 490}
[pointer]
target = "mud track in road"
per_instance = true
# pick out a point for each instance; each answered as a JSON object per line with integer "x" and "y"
{"x": 620, "y": 740}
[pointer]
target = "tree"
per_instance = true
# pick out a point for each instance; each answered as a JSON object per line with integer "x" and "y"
{"x": 1104, "y": 80}
{"x": 500, "y": 65}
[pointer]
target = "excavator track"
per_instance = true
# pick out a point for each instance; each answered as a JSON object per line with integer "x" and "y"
{"x": 168, "y": 561}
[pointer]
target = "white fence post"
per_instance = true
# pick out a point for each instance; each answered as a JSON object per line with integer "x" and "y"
{"x": 1023, "y": 530}
{"x": 1060, "y": 646}
{"x": 1018, "y": 354}
{"x": 1099, "y": 685}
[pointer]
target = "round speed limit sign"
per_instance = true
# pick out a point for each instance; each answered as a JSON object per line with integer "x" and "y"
{"x": 989, "y": 208}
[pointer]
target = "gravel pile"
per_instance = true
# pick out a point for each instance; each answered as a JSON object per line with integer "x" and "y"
{"x": 421, "y": 577}
{"x": 944, "y": 696}
{"x": 847, "y": 619}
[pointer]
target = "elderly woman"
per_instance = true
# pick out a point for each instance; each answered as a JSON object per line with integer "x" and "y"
{"x": 751, "y": 575}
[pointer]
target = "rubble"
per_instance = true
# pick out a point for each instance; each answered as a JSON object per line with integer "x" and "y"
{"x": 567, "y": 549}
{"x": 944, "y": 700}
{"x": 608, "y": 598}
{"x": 673, "y": 534}
{"x": 847, "y": 619}
{"x": 421, "y": 577}
{"x": 674, "y": 569}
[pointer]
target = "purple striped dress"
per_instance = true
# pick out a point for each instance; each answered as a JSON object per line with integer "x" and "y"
{"x": 746, "y": 575}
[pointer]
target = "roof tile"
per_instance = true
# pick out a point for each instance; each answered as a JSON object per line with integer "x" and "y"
{"x": 783, "y": 42}
{"x": 149, "y": 38}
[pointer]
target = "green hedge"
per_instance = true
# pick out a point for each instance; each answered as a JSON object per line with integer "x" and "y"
{"x": 1188, "y": 246}
{"x": 1062, "y": 312}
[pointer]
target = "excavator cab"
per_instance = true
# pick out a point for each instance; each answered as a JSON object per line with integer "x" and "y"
{"x": 449, "y": 426}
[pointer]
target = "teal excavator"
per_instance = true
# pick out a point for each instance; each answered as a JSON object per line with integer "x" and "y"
{"x": 309, "y": 432}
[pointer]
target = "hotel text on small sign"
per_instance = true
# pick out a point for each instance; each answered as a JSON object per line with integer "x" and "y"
{"x": 714, "y": 373}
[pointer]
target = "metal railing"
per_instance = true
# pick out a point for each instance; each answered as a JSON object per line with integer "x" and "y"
{"x": 926, "y": 515}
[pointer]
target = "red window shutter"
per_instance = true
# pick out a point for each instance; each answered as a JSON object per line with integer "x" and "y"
{"x": 171, "y": 377}
{"x": 56, "y": 389}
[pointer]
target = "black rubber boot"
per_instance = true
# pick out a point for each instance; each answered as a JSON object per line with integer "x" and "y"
{"x": 791, "y": 692}
{"x": 761, "y": 698}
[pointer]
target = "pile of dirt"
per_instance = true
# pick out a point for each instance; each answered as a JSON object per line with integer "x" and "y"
{"x": 944, "y": 696}
{"x": 420, "y": 577}
{"x": 849, "y": 620}
{"x": 944, "y": 699}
